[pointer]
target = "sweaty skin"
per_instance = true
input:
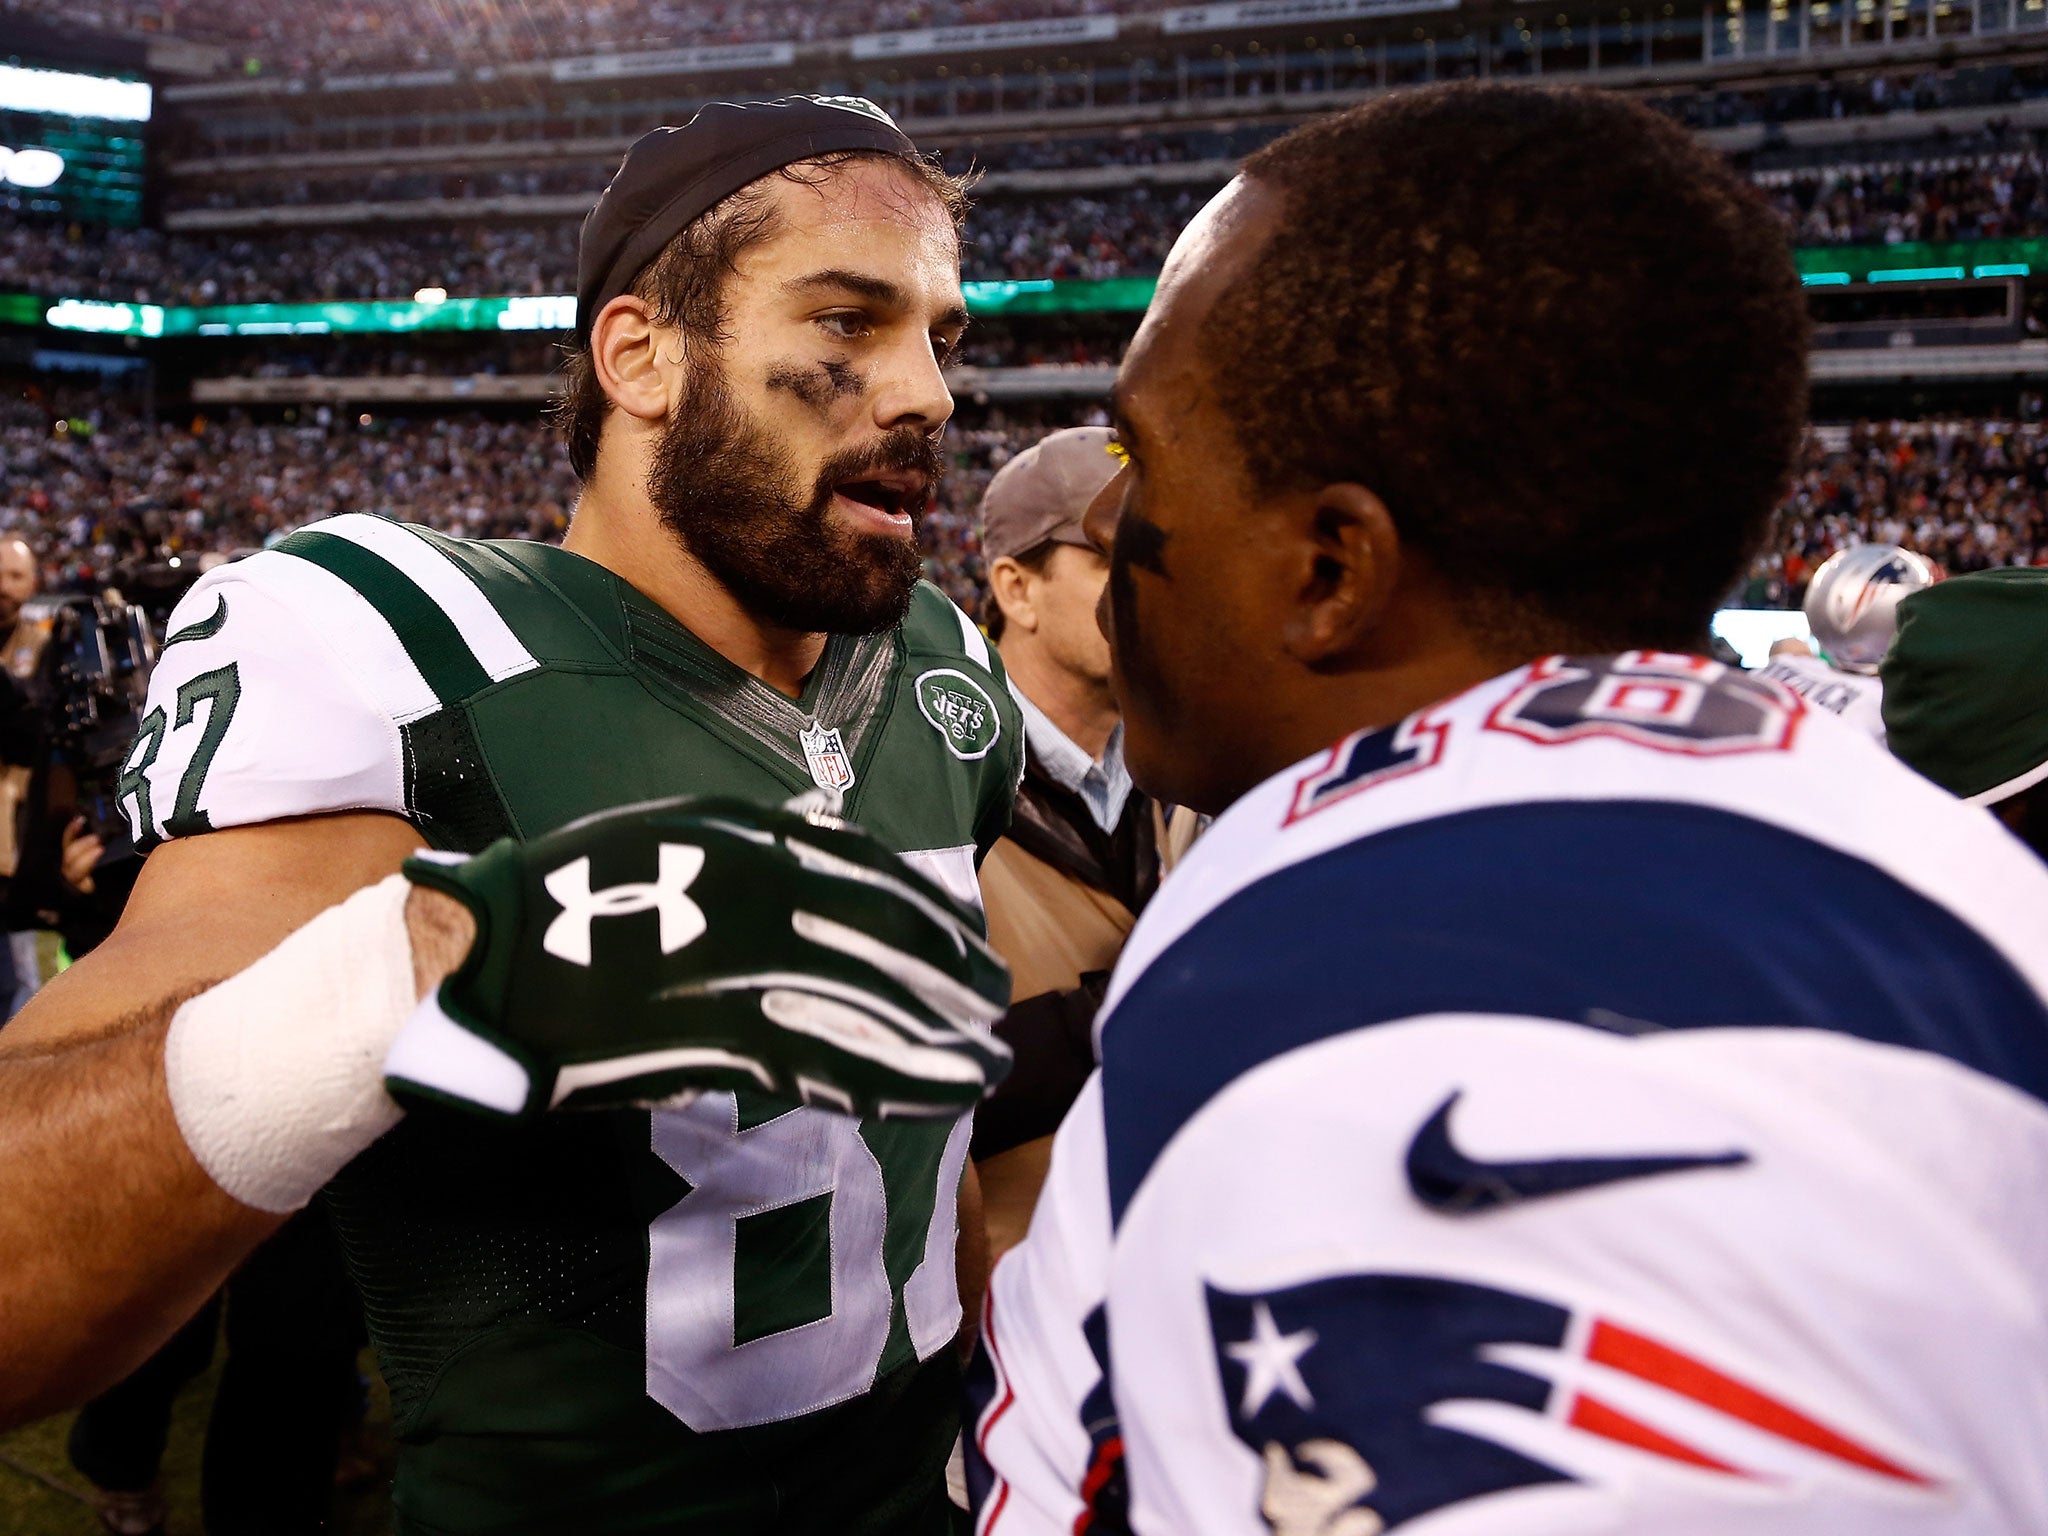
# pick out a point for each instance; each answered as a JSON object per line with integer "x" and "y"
{"x": 864, "y": 274}
{"x": 111, "y": 1235}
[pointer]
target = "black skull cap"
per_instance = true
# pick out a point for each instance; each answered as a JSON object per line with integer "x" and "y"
{"x": 671, "y": 176}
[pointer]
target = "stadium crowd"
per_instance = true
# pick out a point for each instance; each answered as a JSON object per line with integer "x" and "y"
{"x": 1925, "y": 90}
{"x": 1996, "y": 193}
{"x": 1954, "y": 199}
{"x": 258, "y": 38}
{"x": 1970, "y": 495}
{"x": 146, "y": 265}
{"x": 1129, "y": 149}
{"x": 1093, "y": 236}
{"x": 95, "y": 485}
{"x": 398, "y": 34}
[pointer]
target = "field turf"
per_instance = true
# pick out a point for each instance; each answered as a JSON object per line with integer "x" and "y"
{"x": 32, "y": 1460}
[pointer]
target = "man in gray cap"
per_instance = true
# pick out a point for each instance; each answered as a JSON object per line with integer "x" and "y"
{"x": 609, "y": 1293}
{"x": 1084, "y": 849}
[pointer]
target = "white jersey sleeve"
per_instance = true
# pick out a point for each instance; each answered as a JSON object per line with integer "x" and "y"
{"x": 269, "y": 700}
{"x": 1042, "y": 1419}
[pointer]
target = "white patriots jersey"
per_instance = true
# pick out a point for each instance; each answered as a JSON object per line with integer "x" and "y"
{"x": 1477, "y": 1151}
{"x": 1856, "y": 698}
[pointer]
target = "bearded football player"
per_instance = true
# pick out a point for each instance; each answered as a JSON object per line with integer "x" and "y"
{"x": 722, "y": 1313}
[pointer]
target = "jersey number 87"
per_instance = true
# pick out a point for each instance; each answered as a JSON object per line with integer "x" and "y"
{"x": 733, "y": 1337}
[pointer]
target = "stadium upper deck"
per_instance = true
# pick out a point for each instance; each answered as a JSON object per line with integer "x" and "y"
{"x": 551, "y": 78}
{"x": 566, "y": 38}
{"x": 460, "y": 168}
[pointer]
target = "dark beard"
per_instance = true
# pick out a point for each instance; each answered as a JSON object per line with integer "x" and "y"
{"x": 723, "y": 487}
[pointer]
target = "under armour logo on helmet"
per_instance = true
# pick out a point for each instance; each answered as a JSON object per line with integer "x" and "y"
{"x": 568, "y": 936}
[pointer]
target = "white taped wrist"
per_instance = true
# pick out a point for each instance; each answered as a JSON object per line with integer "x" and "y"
{"x": 277, "y": 1075}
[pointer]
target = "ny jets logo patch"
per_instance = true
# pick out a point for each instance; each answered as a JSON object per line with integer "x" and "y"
{"x": 831, "y": 767}
{"x": 681, "y": 919}
{"x": 960, "y": 711}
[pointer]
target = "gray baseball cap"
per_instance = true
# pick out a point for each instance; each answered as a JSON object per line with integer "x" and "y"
{"x": 1040, "y": 496}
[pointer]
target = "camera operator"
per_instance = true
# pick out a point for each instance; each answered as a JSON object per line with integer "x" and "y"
{"x": 74, "y": 670}
{"x": 49, "y": 853}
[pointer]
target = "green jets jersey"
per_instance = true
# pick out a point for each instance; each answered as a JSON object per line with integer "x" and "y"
{"x": 735, "y": 1317}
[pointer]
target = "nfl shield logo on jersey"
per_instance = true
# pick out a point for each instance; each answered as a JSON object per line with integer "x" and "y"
{"x": 831, "y": 768}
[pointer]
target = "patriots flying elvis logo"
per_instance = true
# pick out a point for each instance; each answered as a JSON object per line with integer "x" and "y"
{"x": 1372, "y": 1400}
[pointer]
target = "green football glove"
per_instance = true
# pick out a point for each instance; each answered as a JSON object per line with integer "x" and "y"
{"x": 644, "y": 954}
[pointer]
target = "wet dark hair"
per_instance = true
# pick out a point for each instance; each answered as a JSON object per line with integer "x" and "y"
{"x": 685, "y": 283}
{"x": 1561, "y": 339}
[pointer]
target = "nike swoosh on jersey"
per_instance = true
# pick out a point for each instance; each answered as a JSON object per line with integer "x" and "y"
{"x": 1446, "y": 1179}
{"x": 205, "y": 629}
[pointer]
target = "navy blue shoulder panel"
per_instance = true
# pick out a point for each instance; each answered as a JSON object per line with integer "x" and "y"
{"x": 1620, "y": 915}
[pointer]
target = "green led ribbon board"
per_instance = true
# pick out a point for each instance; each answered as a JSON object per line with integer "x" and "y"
{"x": 544, "y": 312}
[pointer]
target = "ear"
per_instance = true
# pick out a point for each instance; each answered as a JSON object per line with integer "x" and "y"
{"x": 1349, "y": 560}
{"x": 626, "y": 352}
{"x": 1010, "y": 585}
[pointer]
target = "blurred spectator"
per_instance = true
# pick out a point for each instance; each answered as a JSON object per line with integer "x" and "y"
{"x": 1130, "y": 147}
{"x": 382, "y": 34}
{"x": 1082, "y": 856}
{"x": 1096, "y": 237}
{"x": 1922, "y": 193}
{"x": 133, "y": 265}
{"x": 1009, "y": 237}
{"x": 104, "y": 486}
{"x": 1969, "y": 495}
{"x": 1989, "y": 199}
{"x": 288, "y": 1394}
{"x": 100, "y": 485}
{"x": 94, "y": 483}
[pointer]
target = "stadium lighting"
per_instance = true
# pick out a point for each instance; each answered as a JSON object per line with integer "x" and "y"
{"x": 538, "y": 312}
{"x": 1823, "y": 279}
{"x": 106, "y": 319}
{"x": 435, "y": 310}
{"x": 30, "y": 168}
{"x": 1916, "y": 274}
{"x": 1753, "y": 631}
{"x": 62, "y": 94}
{"x": 2001, "y": 269}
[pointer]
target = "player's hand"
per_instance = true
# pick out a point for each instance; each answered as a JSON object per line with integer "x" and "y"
{"x": 648, "y": 953}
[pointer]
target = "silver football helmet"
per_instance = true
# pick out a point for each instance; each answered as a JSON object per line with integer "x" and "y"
{"x": 1852, "y": 602}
